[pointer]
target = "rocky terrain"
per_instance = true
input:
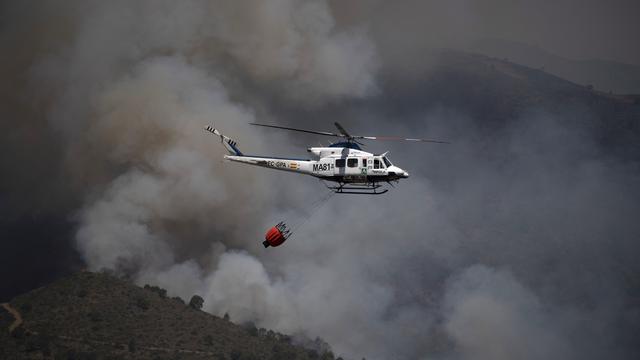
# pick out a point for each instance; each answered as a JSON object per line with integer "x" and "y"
{"x": 98, "y": 316}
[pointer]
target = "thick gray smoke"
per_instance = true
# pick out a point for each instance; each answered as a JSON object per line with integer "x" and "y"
{"x": 518, "y": 247}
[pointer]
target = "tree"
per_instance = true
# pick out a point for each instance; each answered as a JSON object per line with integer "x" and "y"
{"x": 251, "y": 328}
{"x": 328, "y": 356}
{"x": 196, "y": 302}
{"x": 156, "y": 289}
{"x": 226, "y": 317}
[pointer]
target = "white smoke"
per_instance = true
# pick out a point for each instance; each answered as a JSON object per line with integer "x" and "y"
{"x": 151, "y": 122}
{"x": 492, "y": 316}
{"x": 294, "y": 43}
{"x": 144, "y": 80}
{"x": 241, "y": 287}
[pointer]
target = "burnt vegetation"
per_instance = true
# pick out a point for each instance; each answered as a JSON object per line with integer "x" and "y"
{"x": 99, "y": 316}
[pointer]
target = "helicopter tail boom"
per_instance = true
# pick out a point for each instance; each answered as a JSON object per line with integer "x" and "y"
{"x": 302, "y": 166}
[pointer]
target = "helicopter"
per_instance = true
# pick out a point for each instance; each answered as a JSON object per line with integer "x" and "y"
{"x": 344, "y": 164}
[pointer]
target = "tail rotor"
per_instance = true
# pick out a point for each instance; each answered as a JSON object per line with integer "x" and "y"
{"x": 228, "y": 142}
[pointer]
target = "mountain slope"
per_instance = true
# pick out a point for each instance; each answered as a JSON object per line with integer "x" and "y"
{"x": 97, "y": 316}
{"x": 495, "y": 92}
{"x": 603, "y": 74}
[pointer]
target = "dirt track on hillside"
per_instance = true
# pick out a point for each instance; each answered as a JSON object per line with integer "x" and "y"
{"x": 16, "y": 315}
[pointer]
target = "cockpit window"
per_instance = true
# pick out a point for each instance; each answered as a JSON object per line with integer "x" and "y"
{"x": 387, "y": 162}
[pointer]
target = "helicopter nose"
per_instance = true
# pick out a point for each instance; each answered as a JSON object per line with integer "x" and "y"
{"x": 402, "y": 174}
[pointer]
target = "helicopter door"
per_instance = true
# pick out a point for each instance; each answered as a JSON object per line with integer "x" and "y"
{"x": 340, "y": 166}
{"x": 353, "y": 167}
{"x": 355, "y": 171}
{"x": 366, "y": 165}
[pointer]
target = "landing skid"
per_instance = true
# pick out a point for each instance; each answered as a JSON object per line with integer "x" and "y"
{"x": 368, "y": 189}
{"x": 362, "y": 192}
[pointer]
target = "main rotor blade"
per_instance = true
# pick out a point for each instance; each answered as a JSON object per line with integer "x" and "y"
{"x": 345, "y": 134}
{"x": 396, "y": 138}
{"x": 300, "y": 130}
{"x": 342, "y": 130}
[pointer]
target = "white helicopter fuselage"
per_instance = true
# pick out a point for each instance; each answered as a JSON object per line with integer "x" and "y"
{"x": 341, "y": 164}
{"x": 344, "y": 163}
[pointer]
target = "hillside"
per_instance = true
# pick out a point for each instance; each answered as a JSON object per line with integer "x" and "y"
{"x": 97, "y": 316}
{"x": 603, "y": 74}
{"x": 494, "y": 92}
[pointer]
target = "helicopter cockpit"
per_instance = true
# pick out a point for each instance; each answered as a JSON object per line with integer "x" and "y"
{"x": 381, "y": 162}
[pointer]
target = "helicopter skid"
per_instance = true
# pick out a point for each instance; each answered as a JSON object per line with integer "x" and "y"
{"x": 366, "y": 189}
{"x": 361, "y": 192}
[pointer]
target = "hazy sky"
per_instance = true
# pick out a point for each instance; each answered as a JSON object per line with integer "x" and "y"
{"x": 578, "y": 29}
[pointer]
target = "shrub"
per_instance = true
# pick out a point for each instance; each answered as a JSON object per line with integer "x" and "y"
{"x": 142, "y": 303}
{"x": 79, "y": 355}
{"x": 280, "y": 352}
{"x": 285, "y": 339}
{"x": 328, "y": 356}
{"x": 251, "y": 328}
{"x": 208, "y": 340}
{"x": 132, "y": 346}
{"x": 26, "y": 307}
{"x": 95, "y": 316}
{"x": 196, "y": 302}
{"x": 321, "y": 345}
{"x": 41, "y": 342}
{"x": 156, "y": 289}
{"x": 82, "y": 292}
{"x": 18, "y": 332}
